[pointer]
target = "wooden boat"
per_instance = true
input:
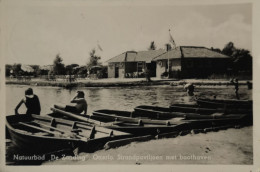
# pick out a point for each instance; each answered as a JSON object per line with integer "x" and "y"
{"x": 186, "y": 122}
{"x": 43, "y": 134}
{"x": 188, "y": 112}
{"x": 143, "y": 126}
{"x": 157, "y": 117}
{"x": 228, "y": 101}
{"x": 203, "y": 110}
{"x": 125, "y": 124}
{"x": 215, "y": 103}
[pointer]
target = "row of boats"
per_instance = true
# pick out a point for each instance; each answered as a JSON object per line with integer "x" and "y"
{"x": 64, "y": 130}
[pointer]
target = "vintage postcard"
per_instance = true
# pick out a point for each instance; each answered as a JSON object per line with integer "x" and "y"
{"x": 136, "y": 85}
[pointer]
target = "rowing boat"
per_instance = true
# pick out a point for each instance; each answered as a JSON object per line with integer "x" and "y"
{"x": 186, "y": 122}
{"x": 194, "y": 108}
{"x": 228, "y": 101}
{"x": 43, "y": 134}
{"x": 187, "y": 112}
{"x": 215, "y": 103}
{"x": 136, "y": 126}
{"x": 123, "y": 121}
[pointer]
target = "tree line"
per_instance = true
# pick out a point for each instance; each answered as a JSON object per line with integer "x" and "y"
{"x": 59, "y": 68}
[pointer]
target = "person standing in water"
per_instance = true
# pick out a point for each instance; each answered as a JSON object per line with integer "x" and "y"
{"x": 31, "y": 102}
{"x": 235, "y": 83}
{"x": 189, "y": 89}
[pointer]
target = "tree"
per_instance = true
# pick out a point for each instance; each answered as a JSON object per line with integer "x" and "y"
{"x": 17, "y": 70}
{"x": 94, "y": 59}
{"x": 152, "y": 46}
{"x": 58, "y": 66}
{"x": 36, "y": 69}
{"x": 216, "y": 49}
{"x": 229, "y": 49}
{"x": 82, "y": 71}
{"x": 8, "y": 69}
{"x": 70, "y": 69}
{"x": 241, "y": 58}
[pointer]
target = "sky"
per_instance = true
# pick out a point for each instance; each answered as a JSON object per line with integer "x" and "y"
{"x": 36, "y": 32}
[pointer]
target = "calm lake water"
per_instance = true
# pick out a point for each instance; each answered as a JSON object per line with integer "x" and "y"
{"x": 119, "y": 98}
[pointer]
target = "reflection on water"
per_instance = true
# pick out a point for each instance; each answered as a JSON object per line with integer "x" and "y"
{"x": 120, "y": 98}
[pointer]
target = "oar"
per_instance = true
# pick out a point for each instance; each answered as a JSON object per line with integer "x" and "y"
{"x": 75, "y": 116}
{"x": 136, "y": 120}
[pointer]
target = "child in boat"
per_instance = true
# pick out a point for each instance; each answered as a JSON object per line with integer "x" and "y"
{"x": 81, "y": 104}
{"x": 31, "y": 102}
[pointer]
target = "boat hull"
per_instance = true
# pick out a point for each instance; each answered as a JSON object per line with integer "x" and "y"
{"x": 225, "y": 104}
{"x": 33, "y": 135}
{"x": 111, "y": 119}
{"x": 38, "y": 144}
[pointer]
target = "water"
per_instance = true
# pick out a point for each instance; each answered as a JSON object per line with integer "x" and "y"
{"x": 120, "y": 98}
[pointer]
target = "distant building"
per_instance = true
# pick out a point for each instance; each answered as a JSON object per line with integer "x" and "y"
{"x": 27, "y": 68}
{"x": 46, "y": 67}
{"x": 132, "y": 64}
{"x": 184, "y": 62}
{"x": 192, "y": 62}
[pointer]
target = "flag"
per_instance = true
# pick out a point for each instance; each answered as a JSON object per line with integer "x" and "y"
{"x": 171, "y": 39}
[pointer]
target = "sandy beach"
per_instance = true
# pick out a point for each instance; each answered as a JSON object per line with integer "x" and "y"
{"x": 231, "y": 146}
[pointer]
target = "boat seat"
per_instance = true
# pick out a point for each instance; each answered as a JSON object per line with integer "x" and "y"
{"x": 41, "y": 134}
{"x": 22, "y": 131}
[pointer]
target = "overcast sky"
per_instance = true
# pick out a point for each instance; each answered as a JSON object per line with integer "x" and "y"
{"x": 37, "y": 32}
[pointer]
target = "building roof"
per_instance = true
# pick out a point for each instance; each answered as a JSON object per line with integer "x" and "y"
{"x": 27, "y": 68}
{"x": 172, "y": 54}
{"x": 46, "y": 67}
{"x": 148, "y": 56}
{"x": 190, "y": 52}
{"x": 200, "y": 52}
{"x": 133, "y": 56}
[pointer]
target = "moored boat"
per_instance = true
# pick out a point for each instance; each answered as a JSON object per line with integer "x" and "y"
{"x": 218, "y": 103}
{"x": 205, "y": 110}
{"x": 136, "y": 126}
{"x": 186, "y": 122}
{"x": 43, "y": 134}
{"x": 228, "y": 101}
{"x": 184, "y": 110}
{"x": 123, "y": 121}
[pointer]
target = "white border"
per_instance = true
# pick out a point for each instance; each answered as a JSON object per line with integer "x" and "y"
{"x": 256, "y": 91}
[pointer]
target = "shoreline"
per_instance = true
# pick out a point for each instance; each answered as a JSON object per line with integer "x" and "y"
{"x": 202, "y": 148}
{"x": 112, "y": 82}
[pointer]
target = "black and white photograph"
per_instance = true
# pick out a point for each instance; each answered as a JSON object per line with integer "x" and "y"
{"x": 137, "y": 83}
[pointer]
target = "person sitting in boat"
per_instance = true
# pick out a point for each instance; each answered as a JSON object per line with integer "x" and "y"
{"x": 81, "y": 104}
{"x": 190, "y": 89}
{"x": 31, "y": 102}
{"x": 235, "y": 83}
